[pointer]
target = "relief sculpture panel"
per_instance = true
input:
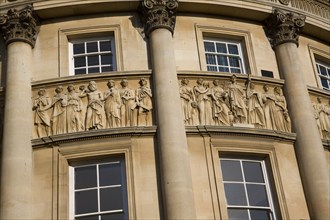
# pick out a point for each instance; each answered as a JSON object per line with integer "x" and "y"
{"x": 92, "y": 106}
{"x": 229, "y": 103}
{"x": 322, "y": 116}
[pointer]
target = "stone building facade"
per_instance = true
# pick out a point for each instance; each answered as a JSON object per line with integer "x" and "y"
{"x": 165, "y": 109}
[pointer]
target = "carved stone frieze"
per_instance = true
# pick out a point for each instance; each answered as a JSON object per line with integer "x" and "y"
{"x": 282, "y": 26}
{"x": 158, "y": 14}
{"x": 285, "y": 2}
{"x": 20, "y": 25}
{"x": 322, "y": 117}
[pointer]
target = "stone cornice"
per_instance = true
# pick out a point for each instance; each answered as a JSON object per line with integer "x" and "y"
{"x": 158, "y": 14}
{"x": 283, "y": 26}
{"x": 20, "y": 25}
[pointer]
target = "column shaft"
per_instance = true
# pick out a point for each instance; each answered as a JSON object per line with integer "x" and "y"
{"x": 16, "y": 167}
{"x": 309, "y": 148}
{"x": 172, "y": 141}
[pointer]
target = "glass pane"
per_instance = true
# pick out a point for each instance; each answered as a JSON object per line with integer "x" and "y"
{"x": 212, "y": 68}
{"x": 106, "y": 59}
{"x": 233, "y": 49}
{"x": 222, "y": 60}
{"x": 235, "y": 70}
{"x": 323, "y": 71}
{"x": 235, "y": 194}
{"x": 238, "y": 214}
{"x": 224, "y": 69}
{"x": 210, "y": 59}
{"x": 260, "y": 214}
{"x": 80, "y": 71}
{"x": 114, "y": 216}
{"x": 328, "y": 70}
{"x": 94, "y": 70}
{"x": 234, "y": 61}
{"x": 86, "y": 201}
{"x": 79, "y": 48}
{"x": 85, "y": 177}
{"x": 253, "y": 172}
{"x": 111, "y": 198}
{"x": 231, "y": 170}
{"x": 325, "y": 83}
{"x": 79, "y": 61}
{"x": 257, "y": 195}
{"x": 93, "y": 217}
{"x": 110, "y": 174}
{"x": 221, "y": 48}
{"x": 92, "y": 47}
{"x": 209, "y": 47}
{"x": 105, "y": 46}
{"x": 107, "y": 68}
{"x": 93, "y": 60}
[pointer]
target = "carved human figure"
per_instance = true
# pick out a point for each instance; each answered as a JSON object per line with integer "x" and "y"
{"x": 41, "y": 118}
{"x": 208, "y": 105}
{"x": 268, "y": 100}
{"x": 94, "y": 106}
{"x": 255, "y": 112}
{"x": 201, "y": 96}
{"x": 187, "y": 100}
{"x": 237, "y": 101}
{"x": 143, "y": 102}
{"x": 322, "y": 115}
{"x": 128, "y": 106}
{"x": 281, "y": 115}
{"x": 73, "y": 110}
{"x": 112, "y": 105}
{"x": 220, "y": 109}
{"x": 58, "y": 119}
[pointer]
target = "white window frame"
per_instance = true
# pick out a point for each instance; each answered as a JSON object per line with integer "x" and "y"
{"x": 266, "y": 184}
{"x": 92, "y": 39}
{"x": 327, "y": 67}
{"x": 226, "y": 42}
{"x": 112, "y": 160}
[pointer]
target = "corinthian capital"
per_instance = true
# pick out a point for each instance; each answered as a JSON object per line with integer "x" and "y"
{"x": 282, "y": 26}
{"x": 158, "y": 14}
{"x": 20, "y": 25}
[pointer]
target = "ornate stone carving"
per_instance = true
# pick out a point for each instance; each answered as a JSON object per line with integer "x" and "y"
{"x": 285, "y": 2}
{"x": 58, "y": 119}
{"x": 282, "y": 26}
{"x": 128, "y": 107}
{"x": 22, "y": 25}
{"x": 221, "y": 109}
{"x": 112, "y": 105}
{"x": 73, "y": 110}
{"x": 143, "y": 103}
{"x": 187, "y": 101}
{"x": 322, "y": 116}
{"x": 41, "y": 118}
{"x": 158, "y": 14}
{"x": 255, "y": 110}
{"x": 237, "y": 101}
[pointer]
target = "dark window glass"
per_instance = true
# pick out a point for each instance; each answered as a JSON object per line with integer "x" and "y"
{"x": 210, "y": 59}
{"x": 234, "y": 70}
{"x": 221, "y": 48}
{"x": 257, "y": 195}
{"x": 222, "y": 60}
{"x": 323, "y": 71}
{"x": 86, "y": 201}
{"x": 105, "y": 46}
{"x": 212, "y": 68}
{"x": 235, "y": 194}
{"x": 253, "y": 172}
{"x": 234, "y": 62}
{"x": 231, "y": 170}
{"x": 107, "y": 68}
{"x": 238, "y": 214}
{"x": 110, "y": 174}
{"x": 92, "y": 47}
{"x": 79, "y": 61}
{"x": 93, "y": 217}
{"x": 106, "y": 59}
{"x": 258, "y": 214}
{"x": 233, "y": 49}
{"x": 111, "y": 198}
{"x": 113, "y": 216}
{"x": 93, "y": 60}
{"x": 209, "y": 47}
{"x": 85, "y": 177}
{"x": 80, "y": 71}
{"x": 94, "y": 70}
{"x": 224, "y": 69}
{"x": 79, "y": 48}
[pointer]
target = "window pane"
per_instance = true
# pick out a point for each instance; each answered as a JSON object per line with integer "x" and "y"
{"x": 107, "y": 68}
{"x": 111, "y": 198}
{"x": 231, "y": 170}
{"x": 80, "y": 71}
{"x": 94, "y": 70}
{"x": 110, "y": 174}
{"x": 257, "y": 195}
{"x": 105, "y": 46}
{"x": 224, "y": 69}
{"x": 237, "y": 214}
{"x": 209, "y": 47}
{"x": 92, "y": 47}
{"x": 79, "y": 48}
{"x": 212, "y": 68}
{"x": 325, "y": 83}
{"x": 260, "y": 214}
{"x": 233, "y": 49}
{"x": 328, "y": 70}
{"x": 323, "y": 71}
{"x": 234, "y": 70}
{"x": 235, "y": 194}
{"x": 114, "y": 216}
{"x": 93, "y": 60}
{"x": 85, "y": 177}
{"x": 234, "y": 61}
{"x": 221, "y": 48}
{"x": 93, "y": 217}
{"x": 106, "y": 59}
{"x": 86, "y": 201}
{"x": 79, "y": 61}
{"x": 222, "y": 60}
{"x": 210, "y": 59}
{"x": 253, "y": 172}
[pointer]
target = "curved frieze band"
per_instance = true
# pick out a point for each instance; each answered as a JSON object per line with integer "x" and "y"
{"x": 283, "y": 26}
{"x": 158, "y": 14}
{"x": 20, "y": 25}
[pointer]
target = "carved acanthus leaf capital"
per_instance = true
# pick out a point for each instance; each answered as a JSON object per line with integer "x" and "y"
{"x": 282, "y": 26}
{"x": 285, "y": 2}
{"x": 158, "y": 14}
{"x": 20, "y": 25}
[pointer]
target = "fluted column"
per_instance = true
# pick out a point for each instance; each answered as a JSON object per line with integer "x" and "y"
{"x": 178, "y": 199}
{"x": 283, "y": 29}
{"x": 19, "y": 29}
